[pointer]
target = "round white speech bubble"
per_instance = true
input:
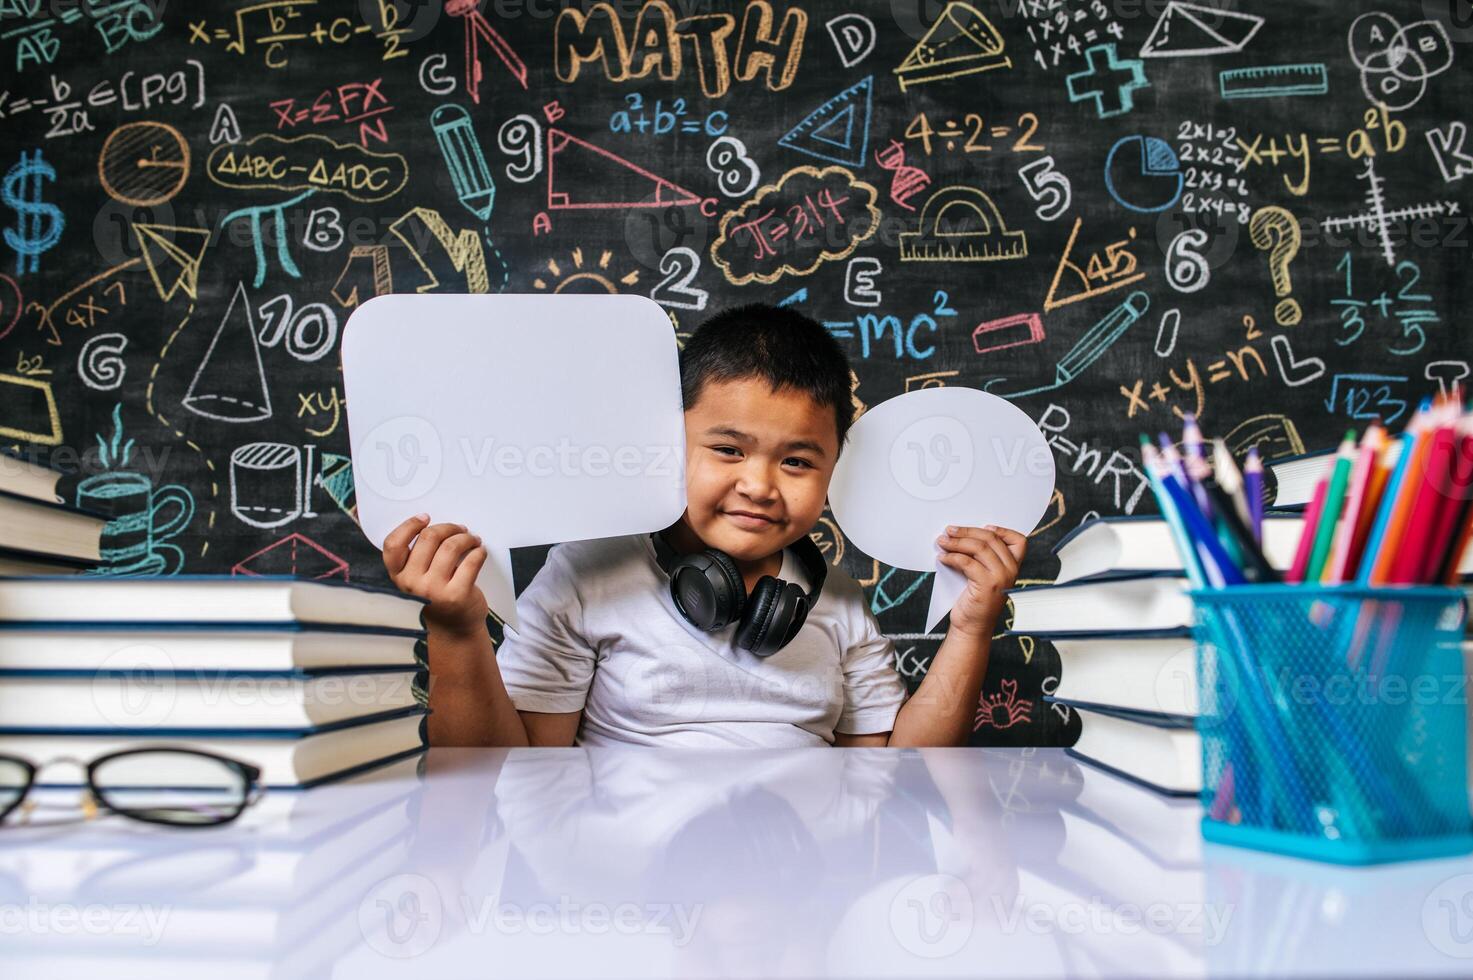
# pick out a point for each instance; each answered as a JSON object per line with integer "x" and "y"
{"x": 933, "y": 457}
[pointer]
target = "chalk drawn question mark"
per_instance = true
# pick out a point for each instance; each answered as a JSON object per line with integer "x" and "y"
{"x": 1276, "y": 231}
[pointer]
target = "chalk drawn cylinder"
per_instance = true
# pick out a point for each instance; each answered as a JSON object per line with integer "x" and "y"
{"x": 267, "y": 488}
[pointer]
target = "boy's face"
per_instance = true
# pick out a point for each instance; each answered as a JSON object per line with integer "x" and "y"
{"x": 754, "y": 451}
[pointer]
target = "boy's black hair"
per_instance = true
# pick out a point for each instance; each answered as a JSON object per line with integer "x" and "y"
{"x": 779, "y": 345}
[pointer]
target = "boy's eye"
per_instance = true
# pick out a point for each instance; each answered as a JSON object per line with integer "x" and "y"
{"x": 801, "y": 462}
{"x": 726, "y": 449}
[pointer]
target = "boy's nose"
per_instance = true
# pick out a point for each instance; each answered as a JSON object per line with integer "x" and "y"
{"x": 755, "y": 482}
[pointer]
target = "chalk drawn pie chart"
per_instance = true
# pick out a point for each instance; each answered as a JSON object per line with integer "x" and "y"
{"x": 1143, "y": 173}
{"x": 144, "y": 163}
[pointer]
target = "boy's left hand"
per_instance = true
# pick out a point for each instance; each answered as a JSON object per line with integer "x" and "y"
{"x": 989, "y": 557}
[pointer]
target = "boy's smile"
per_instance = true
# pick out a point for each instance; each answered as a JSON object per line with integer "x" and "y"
{"x": 758, "y": 465}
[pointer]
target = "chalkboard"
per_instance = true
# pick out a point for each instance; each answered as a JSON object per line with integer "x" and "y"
{"x": 1111, "y": 213}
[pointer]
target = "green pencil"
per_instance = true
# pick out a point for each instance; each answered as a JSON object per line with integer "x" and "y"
{"x": 1324, "y": 532}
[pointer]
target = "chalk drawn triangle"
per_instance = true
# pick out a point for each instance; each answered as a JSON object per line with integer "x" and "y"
{"x": 838, "y": 130}
{"x": 1085, "y": 289}
{"x": 172, "y": 260}
{"x": 1191, "y": 30}
{"x": 596, "y": 178}
{"x": 961, "y": 42}
{"x": 230, "y": 384}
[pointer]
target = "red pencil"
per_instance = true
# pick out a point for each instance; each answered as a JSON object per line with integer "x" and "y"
{"x": 1453, "y": 507}
{"x": 1432, "y": 484}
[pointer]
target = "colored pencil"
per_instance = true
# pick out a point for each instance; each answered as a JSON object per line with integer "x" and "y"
{"x": 1195, "y": 460}
{"x": 1330, "y": 512}
{"x": 1416, "y": 539}
{"x": 1452, "y": 507}
{"x": 1307, "y": 533}
{"x": 1231, "y": 480}
{"x": 1219, "y": 568}
{"x": 1253, "y": 491}
{"x": 1190, "y": 560}
{"x": 1359, "y": 506}
{"x": 1375, "y": 542}
{"x": 1236, "y": 539}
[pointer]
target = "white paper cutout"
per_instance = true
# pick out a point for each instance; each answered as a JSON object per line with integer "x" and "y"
{"x": 530, "y": 419}
{"x": 933, "y": 457}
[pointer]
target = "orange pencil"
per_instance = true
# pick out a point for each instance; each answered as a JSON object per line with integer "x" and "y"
{"x": 1399, "y": 508}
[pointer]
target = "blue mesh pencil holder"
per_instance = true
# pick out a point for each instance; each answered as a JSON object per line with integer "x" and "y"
{"x": 1334, "y": 721}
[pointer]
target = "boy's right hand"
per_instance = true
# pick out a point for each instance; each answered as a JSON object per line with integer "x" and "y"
{"x": 441, "y": 566}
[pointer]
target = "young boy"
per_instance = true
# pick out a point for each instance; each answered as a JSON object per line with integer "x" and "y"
{"x": 605, "y": 656}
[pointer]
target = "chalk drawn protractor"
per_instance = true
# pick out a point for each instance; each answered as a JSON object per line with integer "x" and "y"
{"x": 973, "y": 230}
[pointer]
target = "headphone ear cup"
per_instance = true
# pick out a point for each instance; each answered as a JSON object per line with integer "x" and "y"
{"x": 708, "y": 589}
{"x": 768, "y": 626}
{"x": 733, "y": 601}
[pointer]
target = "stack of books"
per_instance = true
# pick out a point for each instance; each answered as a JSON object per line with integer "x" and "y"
{"x": 309, "y": 680}
{"x": 39, "y": 535}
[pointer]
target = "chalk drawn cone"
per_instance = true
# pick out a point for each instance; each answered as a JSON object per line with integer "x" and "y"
{"x": 230, "y": 383}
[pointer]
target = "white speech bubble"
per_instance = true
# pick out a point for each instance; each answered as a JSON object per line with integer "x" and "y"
{"x": 933, "y": 457}
{"x": 529, "y": 419}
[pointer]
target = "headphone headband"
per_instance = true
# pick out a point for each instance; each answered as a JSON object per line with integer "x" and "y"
{"x": 810, "y": 559}
{"x": 710, "y": 593}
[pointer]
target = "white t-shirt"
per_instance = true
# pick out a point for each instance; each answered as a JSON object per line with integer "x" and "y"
{"x": 601, "y": 633}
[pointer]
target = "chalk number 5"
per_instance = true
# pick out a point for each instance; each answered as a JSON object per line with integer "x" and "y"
{"x": 1047, "y": 186}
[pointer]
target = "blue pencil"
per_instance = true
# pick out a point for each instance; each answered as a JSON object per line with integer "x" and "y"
{"x": 1390, "y": 494}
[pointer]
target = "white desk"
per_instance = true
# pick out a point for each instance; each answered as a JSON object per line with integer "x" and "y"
{"x": 573, "y": 863}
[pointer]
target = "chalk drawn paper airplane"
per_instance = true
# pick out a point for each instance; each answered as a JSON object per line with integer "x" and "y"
{"x": 838, "y": 130}
{"x": 598, "y": 179}
{"x": 1191, "y": 30}
{"x": 961, "y": 42}
{"x": 172, "y": 260}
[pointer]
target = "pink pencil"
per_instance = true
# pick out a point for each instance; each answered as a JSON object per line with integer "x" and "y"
{"x": 1307, "y": 534}
{"x": 1346, "y": 543}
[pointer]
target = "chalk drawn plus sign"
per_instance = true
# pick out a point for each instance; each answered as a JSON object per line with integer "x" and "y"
{"x": 1109, "y": 81}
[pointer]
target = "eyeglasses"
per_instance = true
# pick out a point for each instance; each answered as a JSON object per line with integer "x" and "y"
{"x": 175, "y": 787}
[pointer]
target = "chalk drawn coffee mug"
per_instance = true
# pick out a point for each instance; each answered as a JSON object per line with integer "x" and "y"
{"x": 134, "y": 540}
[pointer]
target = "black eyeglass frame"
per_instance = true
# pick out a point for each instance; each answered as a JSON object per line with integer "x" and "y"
{"x": 250, "y": 775}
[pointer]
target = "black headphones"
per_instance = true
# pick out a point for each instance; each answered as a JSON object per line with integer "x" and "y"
{"x": 709, "y": 592}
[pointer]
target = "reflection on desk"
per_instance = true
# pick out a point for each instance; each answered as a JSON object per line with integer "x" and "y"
{"x": 637, "y": 862}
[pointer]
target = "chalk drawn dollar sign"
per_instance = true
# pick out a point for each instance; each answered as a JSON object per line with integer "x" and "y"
{"x": 39, "y": 223}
